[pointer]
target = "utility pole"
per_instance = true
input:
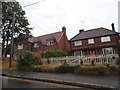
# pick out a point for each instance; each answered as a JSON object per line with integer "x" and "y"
{"x": 12, "y": 33}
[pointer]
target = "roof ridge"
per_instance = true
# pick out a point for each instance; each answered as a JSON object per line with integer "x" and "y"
{"x": 48, "y": 34}
{"x": 97, "y": 29}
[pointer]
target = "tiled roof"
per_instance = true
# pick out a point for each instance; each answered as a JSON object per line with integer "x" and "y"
{"x": 43, "y": 38}
{"x": 93, "y": 33}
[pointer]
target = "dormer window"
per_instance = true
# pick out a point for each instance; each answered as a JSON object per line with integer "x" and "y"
{"x": 105, "y": 39}
{"x": 20, "y": 46}
{"x": 50, "y": 42}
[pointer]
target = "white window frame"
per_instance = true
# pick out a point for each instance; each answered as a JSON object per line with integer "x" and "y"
{"x": 36, "y": 45}
{"x": 77, "y": 43}
{"x": 20, "y": 46}
{"x": 91, "y": 41}
{"x": 105, "y": 39}
{"x": 50, "y": 42}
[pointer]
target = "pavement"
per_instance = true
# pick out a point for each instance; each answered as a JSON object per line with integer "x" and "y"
{"x": 88, "y": 81}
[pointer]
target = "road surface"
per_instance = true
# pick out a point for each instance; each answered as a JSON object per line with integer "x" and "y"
{"x": 8, "y": 82}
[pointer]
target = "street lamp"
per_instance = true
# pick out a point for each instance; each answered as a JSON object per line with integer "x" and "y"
{"x": 12, "y": 33}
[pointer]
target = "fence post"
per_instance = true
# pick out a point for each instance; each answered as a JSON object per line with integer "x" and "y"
{"x": 79, "y": 59}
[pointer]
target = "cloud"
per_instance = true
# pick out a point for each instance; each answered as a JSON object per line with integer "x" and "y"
{"x": 50, "y": 15}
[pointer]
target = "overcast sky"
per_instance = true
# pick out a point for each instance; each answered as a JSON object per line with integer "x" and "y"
{"x": 50, "y": 16}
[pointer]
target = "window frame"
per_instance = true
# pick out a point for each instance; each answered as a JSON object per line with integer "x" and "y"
{"x": 76, "y": 43}
{"x": 89, "y": 41}
{"x": 105, "y": 39}
{"x": 20, "y": 46}
{"x": 50, "y": 42}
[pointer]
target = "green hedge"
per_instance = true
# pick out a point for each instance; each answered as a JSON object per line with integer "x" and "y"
{"x": 55, "y": 53}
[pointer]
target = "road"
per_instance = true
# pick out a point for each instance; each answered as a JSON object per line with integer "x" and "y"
{"x": 8, "y": 82}
{"x": 112, "y": 81}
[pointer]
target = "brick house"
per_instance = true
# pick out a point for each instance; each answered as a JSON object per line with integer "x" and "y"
{"x": 21, "y": 45}
{"x": 98, "y": 41}
{"x": 57, "y": 40}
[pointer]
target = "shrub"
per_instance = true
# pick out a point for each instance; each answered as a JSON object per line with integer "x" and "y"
{"x": 65, "y": 69}
{"x": 36, "y": 58}
{"x": 113, "y": 69}
{"x": 55, "y": 53}
{"x": 91, "y": 70}
{"x": 26, "y": 60}
{"x": 118, "y": 61}
{"x": 45, "y": 68}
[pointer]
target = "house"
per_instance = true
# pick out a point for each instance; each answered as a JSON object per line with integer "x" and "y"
{"x": 57, "y": 40}
{"x": 21, "y": 44}
{"x": 94, "y": 42}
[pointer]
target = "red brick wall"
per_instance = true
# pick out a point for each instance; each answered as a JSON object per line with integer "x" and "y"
{"x": 25, "y": 47}
{"x": 45, "y": 48}
{"x": 64, "y": 44}
{"x": 97, "y": 41}
{"x": 61, "y": 45}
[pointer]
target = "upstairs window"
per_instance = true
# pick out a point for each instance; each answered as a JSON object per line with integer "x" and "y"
{"x": 90, "y": 41}
{"x": 20, "y": 46}
{"x": 50, "y": 42}
{"x": 105, "y": 39}
{"x": 77, "y": 43}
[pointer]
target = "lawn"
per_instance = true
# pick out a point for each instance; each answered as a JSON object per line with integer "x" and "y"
{"x": 5, "y": 65}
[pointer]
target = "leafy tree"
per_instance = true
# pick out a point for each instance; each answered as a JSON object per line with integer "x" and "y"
{"x": 55, "y": 53}
{"x": 21, "y": 25}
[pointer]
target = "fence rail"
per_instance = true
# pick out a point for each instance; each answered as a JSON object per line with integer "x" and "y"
{"x": 83, "y": 60}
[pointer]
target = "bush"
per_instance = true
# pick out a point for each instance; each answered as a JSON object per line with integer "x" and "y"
{"x": 36, "y": 58}
{"x": 113, "y": 70}
{"x": 65, "y": 69}
{"x": 45, "y": 68}
{"x": 55, "y": 53}
{"x": 26, "y": 60}
{"x": 118, "y": 61}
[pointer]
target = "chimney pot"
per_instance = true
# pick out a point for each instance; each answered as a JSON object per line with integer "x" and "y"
{"x": 64, "y": 29}
{"x": 113, "y": 27}
{"x": 81, "y": 30}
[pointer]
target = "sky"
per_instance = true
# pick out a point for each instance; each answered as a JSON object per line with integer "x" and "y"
{"x": 49, "y": 16}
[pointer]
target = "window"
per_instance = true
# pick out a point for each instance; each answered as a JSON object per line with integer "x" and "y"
{"x": 105, "y": 39}
{"x": 76, "y": 53}
{"x": 20, "y": 46}
{"x": 77, "y": 43}
{"x": 107, "y": 51}
{"x": 50, "y": 42}
{"x": 90, "y": 41}
{"x": 36, "y": 45}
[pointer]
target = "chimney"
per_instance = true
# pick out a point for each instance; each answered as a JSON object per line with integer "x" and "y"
{"x": 81, "y": 30}
{"x": 64, "y": 29}
{"x": 113, "y": 27}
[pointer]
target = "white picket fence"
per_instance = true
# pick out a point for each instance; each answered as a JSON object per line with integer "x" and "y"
{"x": 72, "y": 60}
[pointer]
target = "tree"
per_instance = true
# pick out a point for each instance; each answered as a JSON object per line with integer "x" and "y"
{"x": 21, "y": 25}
